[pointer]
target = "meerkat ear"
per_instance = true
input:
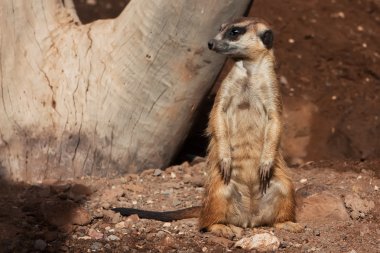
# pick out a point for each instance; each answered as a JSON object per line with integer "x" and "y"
{"x": 267, "y": 39}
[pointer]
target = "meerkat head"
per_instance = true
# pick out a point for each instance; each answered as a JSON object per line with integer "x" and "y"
{"x": 244, "y": 38}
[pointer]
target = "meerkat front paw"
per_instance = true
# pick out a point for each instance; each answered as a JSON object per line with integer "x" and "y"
{"x": 266, "y": 172}
{"x": 225, "y": 169}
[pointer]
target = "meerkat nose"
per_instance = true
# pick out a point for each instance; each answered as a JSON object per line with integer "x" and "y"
{"x": 211, "y": 44}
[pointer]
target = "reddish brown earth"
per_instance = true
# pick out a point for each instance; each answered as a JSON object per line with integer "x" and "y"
{"x": 328, "y": 63}
{"x": 53, "y": 212}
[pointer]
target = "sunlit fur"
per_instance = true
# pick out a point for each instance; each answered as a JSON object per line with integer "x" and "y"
{"x": 245, "y": 130}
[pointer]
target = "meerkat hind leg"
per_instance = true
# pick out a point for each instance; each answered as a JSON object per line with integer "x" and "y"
{"x": 227, "y": 231}
{"x": 289, "y": 226}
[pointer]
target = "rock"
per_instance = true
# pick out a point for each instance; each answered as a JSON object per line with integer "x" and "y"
{"x": 120, "y": 225}
{"x": 167, "y": 224}
{"x": 317, "y": 232}
{"x": 197, "y": 181}
{"x": 303, "y": 181}
{"x": 261, "y": 242}
{"x": 96, "y": 246}
{"x": 111, "y": 216}
{"x": 63, "y": 213}
{"x": 78, "y": 192}
{"x": 116, "y": 218}
{"x": 157, "y": 172}
{"x": 95, "y": 234}
{"x": 187, "y": 178}
{"x": 168, "y": 242}
{"x": 112, "y": 194}
{"x": 132, "y": 219}
{"x": 98, "y": 214}
{"x": 81, "y": 216}
{"x": 85, "y": 237}
{"x": 113, "y": 238}
{"x": 40, "y": 245}
{"x": 321, "y": 207}
{"x": 358, "y": 207}
{"x": 160, "y": 234}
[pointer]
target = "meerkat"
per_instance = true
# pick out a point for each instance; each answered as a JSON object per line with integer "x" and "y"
{"x": 247, "y": 184}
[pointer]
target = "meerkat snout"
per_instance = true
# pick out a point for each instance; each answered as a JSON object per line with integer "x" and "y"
{"x": 211, "y": 44}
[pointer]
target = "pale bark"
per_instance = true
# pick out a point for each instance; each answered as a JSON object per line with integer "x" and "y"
{"x": 106, "y": 98}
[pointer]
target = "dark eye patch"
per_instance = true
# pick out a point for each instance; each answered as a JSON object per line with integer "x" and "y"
{"x": 234, "y": 32}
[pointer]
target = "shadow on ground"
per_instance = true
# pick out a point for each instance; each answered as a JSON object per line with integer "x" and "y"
{"x": 40, "y": 217}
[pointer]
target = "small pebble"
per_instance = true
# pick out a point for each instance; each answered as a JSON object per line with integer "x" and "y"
{"x": 317, "y": 232}
{"x": 40, "y": 245}
{"x": 120, "y": 225}
{"x": 160, "y": 234}
{"x": 291, "y": 41}
{"x": 167, "y": 224}
{"x": 157, "y": 172}
{"x": 303, "y": 180}
{"x": 204, "y": 249}
{"x": 96, "y": 246}
{"x": 376, "y": 188}
{"x": 113, "y": 238}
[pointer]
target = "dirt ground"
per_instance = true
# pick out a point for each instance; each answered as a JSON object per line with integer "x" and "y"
{"x": 46, "y": 217}
{"x": 328, "y": 64}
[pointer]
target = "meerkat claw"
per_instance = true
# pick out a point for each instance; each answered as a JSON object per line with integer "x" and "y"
{"x": 266, "y": 172}
{"x": 225, "y": 168}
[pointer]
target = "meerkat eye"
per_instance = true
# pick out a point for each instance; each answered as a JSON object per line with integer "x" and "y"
{"x": 234, "y": 32}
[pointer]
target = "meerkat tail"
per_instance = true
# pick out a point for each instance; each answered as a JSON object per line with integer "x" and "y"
{"x": 191, "y": 212}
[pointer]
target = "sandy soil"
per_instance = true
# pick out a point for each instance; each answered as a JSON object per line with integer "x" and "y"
{"x": 75, "y": 216}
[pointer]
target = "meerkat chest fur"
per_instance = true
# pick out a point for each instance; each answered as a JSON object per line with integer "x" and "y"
{"x": 243, "y": 95}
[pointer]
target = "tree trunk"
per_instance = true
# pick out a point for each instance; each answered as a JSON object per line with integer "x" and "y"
{"x": 106, "y": 98}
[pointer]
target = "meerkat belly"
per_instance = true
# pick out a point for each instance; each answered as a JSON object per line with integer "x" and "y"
{"x": 246, "y": 133}
{"x": 246, "y": 130}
